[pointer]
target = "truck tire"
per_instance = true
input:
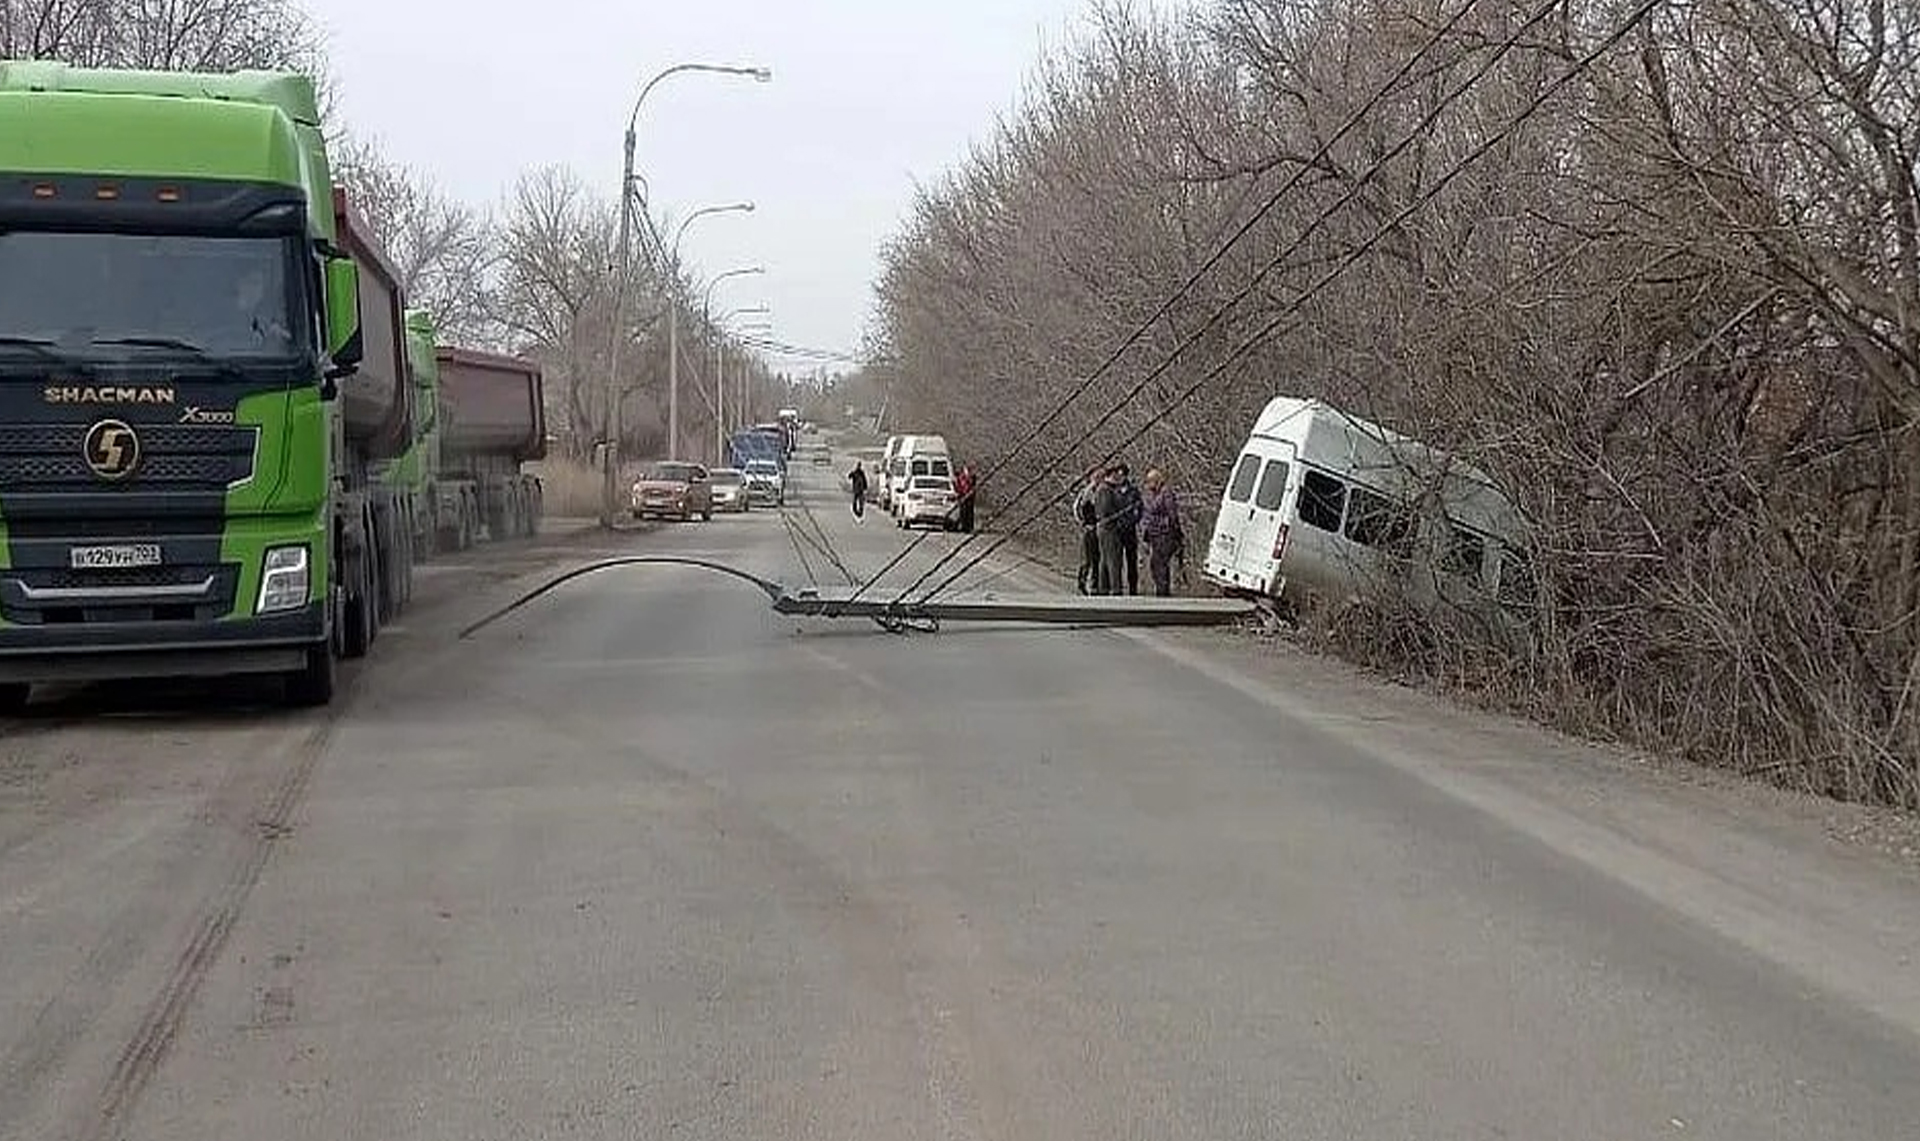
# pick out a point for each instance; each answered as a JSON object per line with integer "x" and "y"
{"x": 14, "y": 695}
{"x": 358, "y": 613}
{"x": 314, "y": 683}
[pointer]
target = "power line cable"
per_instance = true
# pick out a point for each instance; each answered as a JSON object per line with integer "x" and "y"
{"x": 1578, "y": 68}
{"x": 1273, "y": 201}
{"x": 1359, "y": 186}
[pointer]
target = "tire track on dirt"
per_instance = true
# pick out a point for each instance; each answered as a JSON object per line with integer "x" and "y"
{"x": 143, "y": 1055}
{"x": 151, "y": 1042}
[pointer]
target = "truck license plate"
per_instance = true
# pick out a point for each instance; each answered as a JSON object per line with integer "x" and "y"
{"x": 115, "y": 557}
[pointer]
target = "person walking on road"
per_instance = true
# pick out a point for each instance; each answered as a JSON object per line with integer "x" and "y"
{"x": 1160, "y": 526}
{"x": 963, "y": 485}
{"x": 1127, "y": 524}
{"x": 1109, "y": 508}
{"x": 1089, "y": 519}
{"x": 857, "y": 479}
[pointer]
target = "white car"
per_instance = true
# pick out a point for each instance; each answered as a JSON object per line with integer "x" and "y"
{"x": 765, "y": 482}
{"x": 926, "y": 499}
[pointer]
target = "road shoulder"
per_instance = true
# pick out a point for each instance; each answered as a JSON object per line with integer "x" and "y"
{"x": 1781, "y": 874}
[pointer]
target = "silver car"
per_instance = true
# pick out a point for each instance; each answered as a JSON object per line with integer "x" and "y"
{"x": 729, "y": 489}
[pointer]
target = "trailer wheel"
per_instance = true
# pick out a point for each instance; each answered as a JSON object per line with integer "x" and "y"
{"x": 14, "y": 695}
{"x": 359, "y": 612}
{"x": 314, "y": 683}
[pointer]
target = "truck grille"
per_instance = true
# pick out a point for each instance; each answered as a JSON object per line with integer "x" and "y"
{"x": 48, "y": 457}
{"x": 57, "y": 596}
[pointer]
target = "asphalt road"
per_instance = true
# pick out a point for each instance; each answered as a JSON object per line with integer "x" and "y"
{"x": 645, "y": 860}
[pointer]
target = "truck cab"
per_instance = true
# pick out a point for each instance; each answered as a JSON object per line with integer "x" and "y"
{"x": 176, "y": 330}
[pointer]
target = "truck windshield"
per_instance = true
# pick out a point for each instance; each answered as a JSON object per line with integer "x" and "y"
{"x": 228, "y": 297}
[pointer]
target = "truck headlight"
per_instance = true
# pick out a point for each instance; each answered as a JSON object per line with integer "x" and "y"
{"x": 283, "y": 580}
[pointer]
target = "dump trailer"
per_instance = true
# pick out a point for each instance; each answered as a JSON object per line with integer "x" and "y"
{"x": 201, "y": 376}
{"x": 493, "y": 419}
{"x": 378, "y": 412}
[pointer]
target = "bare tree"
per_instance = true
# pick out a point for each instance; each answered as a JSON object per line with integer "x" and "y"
{"x": 556, "y": 303}
{"x": 168, "y": 35}
{"x": 1670, "y": 308}
{"x": 444, "y": 249}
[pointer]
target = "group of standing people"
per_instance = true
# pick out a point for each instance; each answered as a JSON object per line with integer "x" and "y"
{"x": 1115, "y": 515}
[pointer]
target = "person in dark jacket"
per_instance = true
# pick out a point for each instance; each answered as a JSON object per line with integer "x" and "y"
{"x": 1109, "y": 508}
{"x": 1091, "y": 570}
{"x": 857, "y": 479}
{"x": 1127, "y": 525}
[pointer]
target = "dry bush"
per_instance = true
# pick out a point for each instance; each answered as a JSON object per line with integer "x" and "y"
{"x": 569, "y": 489}
{"x": 1672, "y": 313}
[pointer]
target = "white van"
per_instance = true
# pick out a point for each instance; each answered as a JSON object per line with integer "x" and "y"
{"x": 1323, "y": 501}
{"x": 917, "y": 456}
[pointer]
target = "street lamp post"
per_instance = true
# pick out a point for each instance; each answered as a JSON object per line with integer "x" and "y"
{"x": 622, "y": 248}
{"x": 673, "y": 318}
{"x": 719, "y": 388}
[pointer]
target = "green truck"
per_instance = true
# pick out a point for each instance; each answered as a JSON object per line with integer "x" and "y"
{"x": 204, "y": 386}
{"x": 479, "y": 417}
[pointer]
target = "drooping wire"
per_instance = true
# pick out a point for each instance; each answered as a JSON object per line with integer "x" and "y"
{"x": 1578, "y": 68}
{"x": 1359, "y": 186}
{"x": 1273, "y": 200}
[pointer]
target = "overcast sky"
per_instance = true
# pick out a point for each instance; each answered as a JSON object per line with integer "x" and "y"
{"x": 867, "y": 96}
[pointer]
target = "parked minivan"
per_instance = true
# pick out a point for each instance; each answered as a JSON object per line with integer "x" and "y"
{"x": 914, "y": 451}
{"x": 1323, "y": 501}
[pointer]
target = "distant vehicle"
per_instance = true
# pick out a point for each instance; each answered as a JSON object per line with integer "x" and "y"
{"x": 673, "y": 488}
{"x": 1324, "y": 501}
{"x": 766, "y": 483}
{"x": 752, "y": 443}
{"x": 926, "y": 499}
{"x": 918, "y": 456}
{"x": 782, "y": 439}
{"x": 899, "y": 465}
{"x": 729, "y": 488}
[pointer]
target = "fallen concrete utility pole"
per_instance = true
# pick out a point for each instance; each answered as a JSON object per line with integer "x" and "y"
{"x": 926, "y": 615}
{"x": 1052, "y": 609}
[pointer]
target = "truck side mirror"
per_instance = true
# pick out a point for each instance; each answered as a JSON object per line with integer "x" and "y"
{"x": 345, "y": 348}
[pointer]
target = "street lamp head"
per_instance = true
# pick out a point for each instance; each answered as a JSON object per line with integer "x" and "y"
{"x": 761, "y": 74}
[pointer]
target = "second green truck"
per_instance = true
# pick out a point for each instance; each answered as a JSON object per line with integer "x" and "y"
{"x": 221, "y": 448}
